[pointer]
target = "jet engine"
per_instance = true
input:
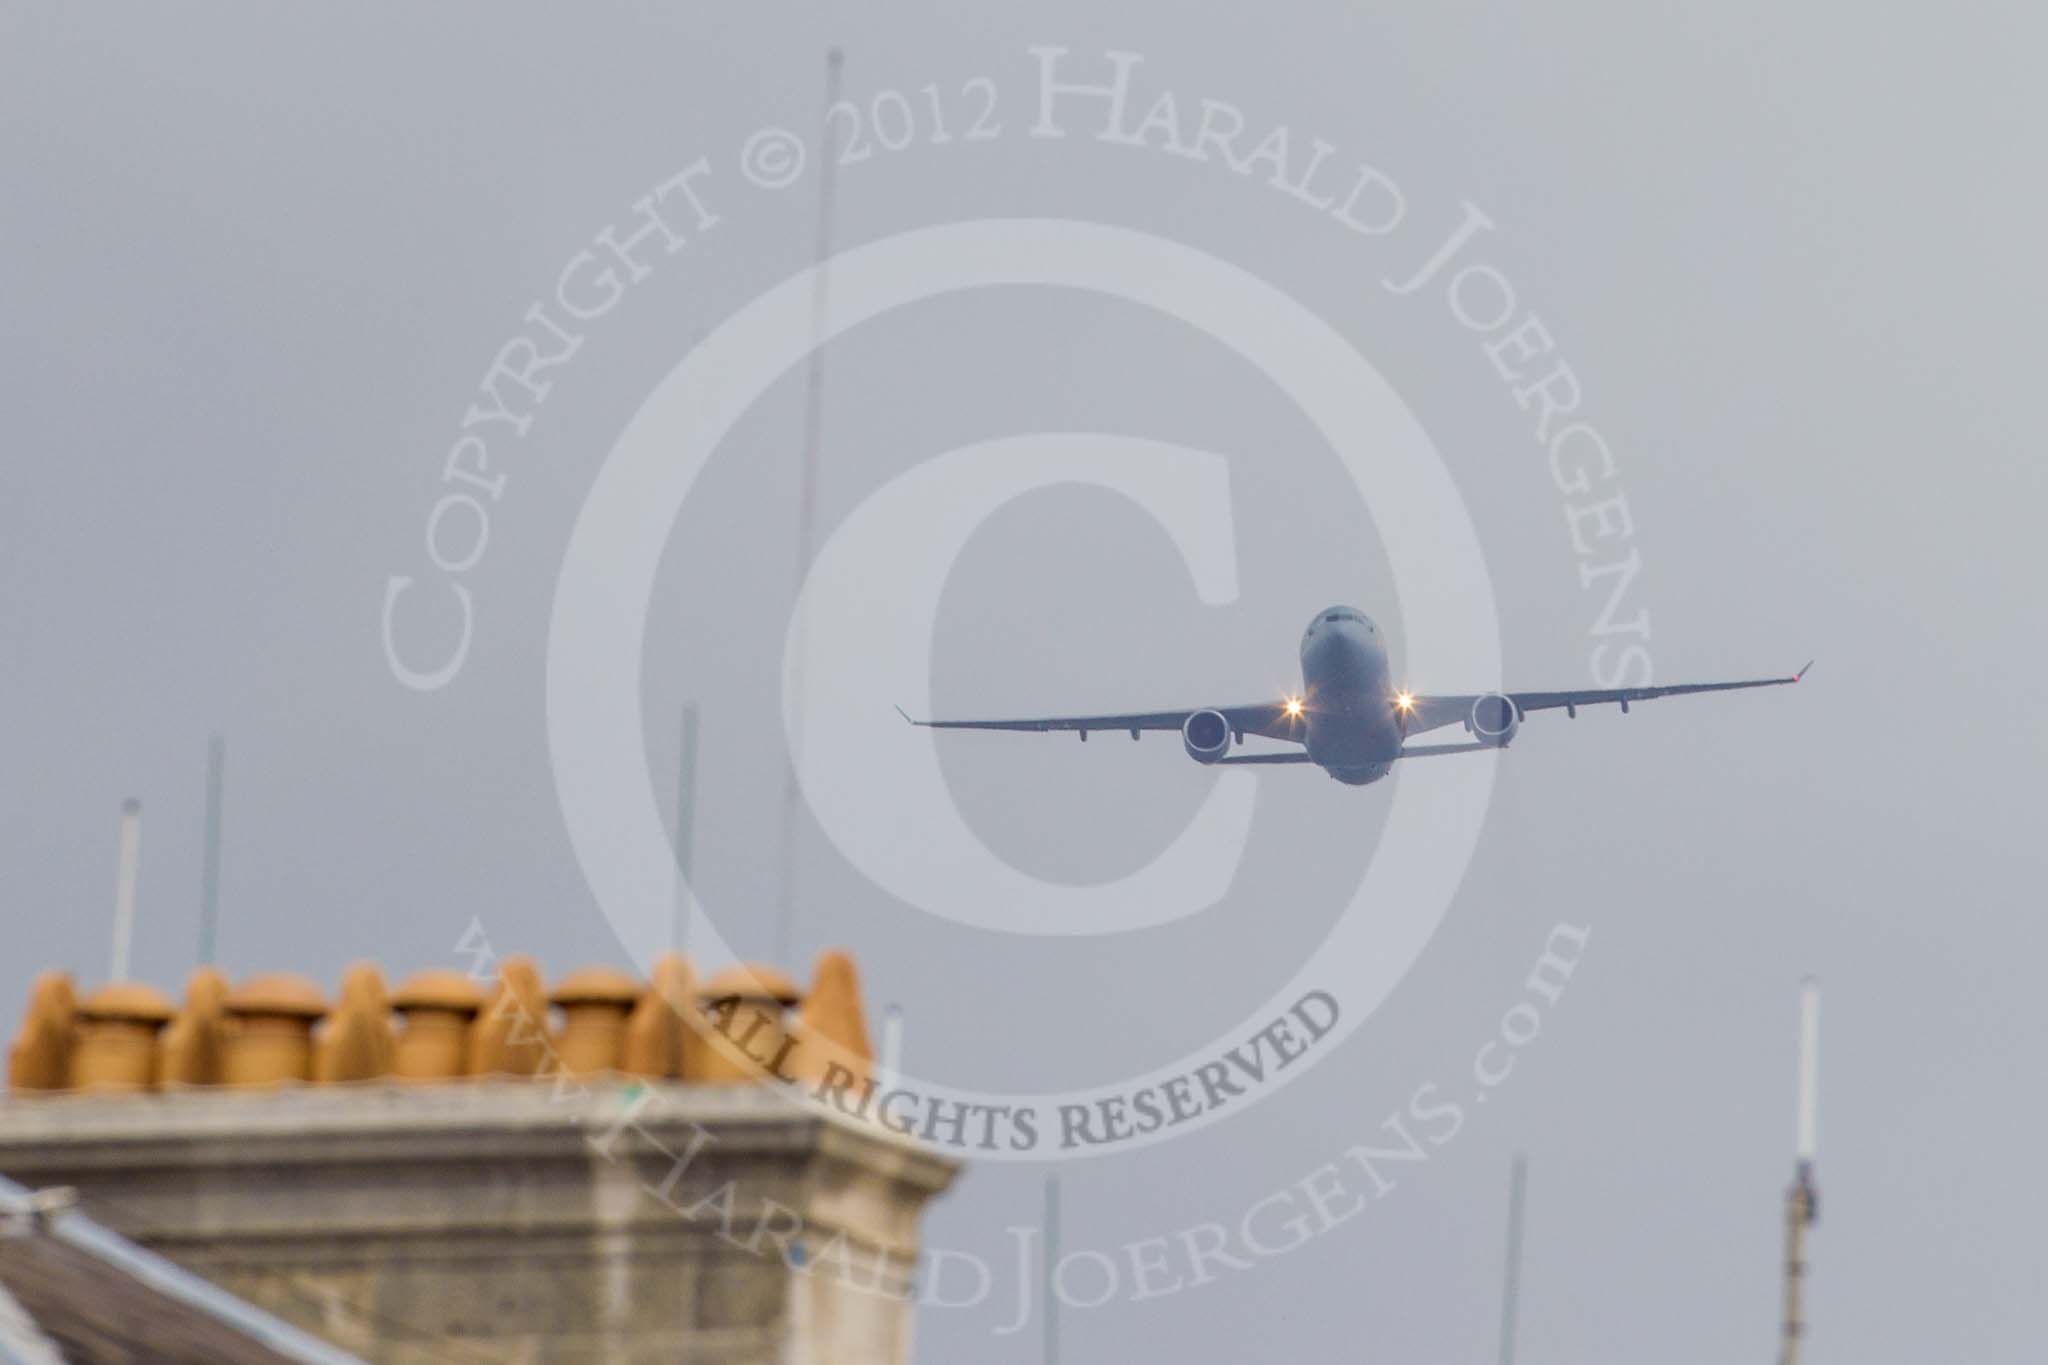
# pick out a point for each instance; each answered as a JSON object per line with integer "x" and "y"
{"x": 1494, "y": 720}
{"x": 1206, "y": 735}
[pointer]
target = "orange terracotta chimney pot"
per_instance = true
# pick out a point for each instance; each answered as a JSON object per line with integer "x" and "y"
{"x": 660, "y": 1043}
{"x": 748, "y": 1030}
{"x": 358, "y": 1043}
{"x": 190, "y": 1052}
{"x": 117, "y": 1036}
{"x": 594, "y": 1003}
{"x": 41, "y": 1056}
{"x": 437, "y": 1006}
{"x": 831, "y": 1029}
{"x": 270, "y": 1031}
{"x": 511, "y": 1036}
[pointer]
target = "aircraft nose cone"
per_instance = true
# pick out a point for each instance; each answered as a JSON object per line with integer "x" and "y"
{"x": 1340, "y": 654}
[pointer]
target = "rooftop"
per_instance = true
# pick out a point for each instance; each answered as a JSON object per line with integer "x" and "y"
{"x": 73, "y": 1292}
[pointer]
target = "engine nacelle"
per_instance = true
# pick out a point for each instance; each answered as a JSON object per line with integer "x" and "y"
{"x": 1494, "y": 720}
{"x": 1206, "y": 735}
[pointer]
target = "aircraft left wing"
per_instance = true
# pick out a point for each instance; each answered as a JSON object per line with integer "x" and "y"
{"x": 1428, "y": 713}
{"x": 1272, "y": 719}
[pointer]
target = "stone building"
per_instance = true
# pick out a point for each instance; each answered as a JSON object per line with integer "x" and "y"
{"x": 480, "y": 1169}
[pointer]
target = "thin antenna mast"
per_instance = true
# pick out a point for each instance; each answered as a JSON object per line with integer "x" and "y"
{"x": 1511, "y": 1279}
{"x": 124, "y": 887}
{"x": 1802, "y": 1200}
{"x": 1809, "y": 1075}
{"x": 892, "y": 1043}
{"x": 807, "y": 493}
{"x": 209, "y": 874}
{"x": 686, "y": 827}
{"x": 1052, "y": 1260}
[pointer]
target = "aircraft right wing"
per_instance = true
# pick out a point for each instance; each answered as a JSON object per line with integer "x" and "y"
{"x": 1428, "y": 713}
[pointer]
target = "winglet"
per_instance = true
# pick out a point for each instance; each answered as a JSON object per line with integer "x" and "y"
{"x": 1801, "y": 674}
{"x": 906, "y": 715}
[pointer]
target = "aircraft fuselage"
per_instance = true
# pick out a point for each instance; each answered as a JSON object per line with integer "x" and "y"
{"x": 1354, "y": 731}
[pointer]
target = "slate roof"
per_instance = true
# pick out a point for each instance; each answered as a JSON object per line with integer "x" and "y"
{"x": 73, "y": 1293}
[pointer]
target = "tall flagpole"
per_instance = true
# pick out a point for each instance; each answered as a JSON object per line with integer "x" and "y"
{"x": 686, "y": 827}
{"x": 1802, "y": 1200}
{"x": 892, "y": 1044}
{"x": 1052, "y": 1259}
{"x": 1511, "y": 1279}
{"x": 209, "y": 872}
{"x": 126, "y": 873}
{"x": 807, "y": 495}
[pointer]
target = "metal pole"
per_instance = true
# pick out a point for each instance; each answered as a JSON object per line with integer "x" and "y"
{"x": 209, "y": 874}
{"x": 1799, "y": 1215}
{"x": 686, "y": 826}
{"x": 124, "y": 887}
{"x": 892, "y": 1043}
{"x": 1052, "y": 1258}
{"x": 1802, "y": 1200}
{"x": 1511, "y": 1279}
{"x": 814, "y": 426}
{"x": 1809, "y": 1070}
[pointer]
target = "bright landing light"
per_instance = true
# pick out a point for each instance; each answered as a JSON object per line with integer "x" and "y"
{"x": 1294, "y": 706}
{"x": 1405, "y": 701}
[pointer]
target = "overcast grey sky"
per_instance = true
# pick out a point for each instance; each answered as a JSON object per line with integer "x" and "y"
{"x": 253, "y": 265}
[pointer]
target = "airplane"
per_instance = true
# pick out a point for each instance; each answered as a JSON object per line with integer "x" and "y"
{"x": 1349, "y": 718}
